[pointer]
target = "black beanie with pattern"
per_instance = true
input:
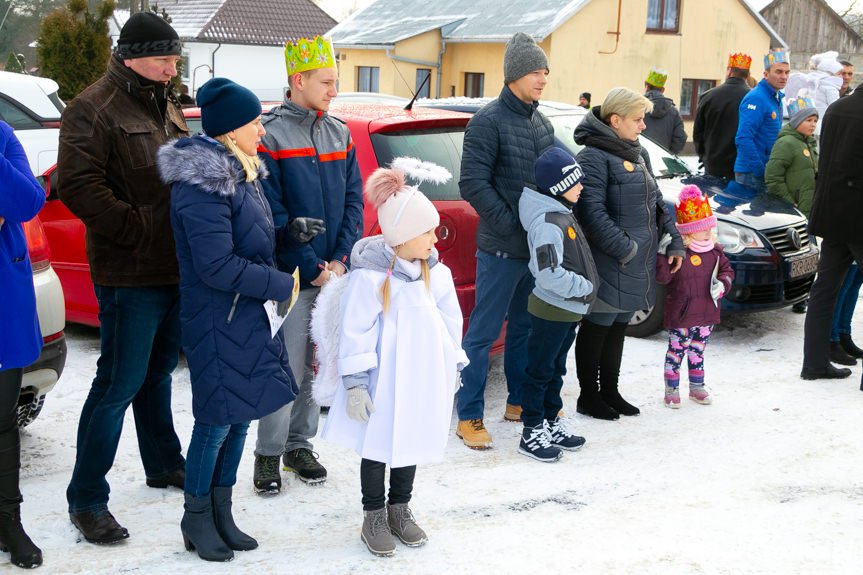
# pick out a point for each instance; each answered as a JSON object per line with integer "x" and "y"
{"x": 146, "y": 34}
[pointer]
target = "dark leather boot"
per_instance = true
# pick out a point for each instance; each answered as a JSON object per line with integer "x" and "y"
{"x": 609, "y": 370}
{"x": 848, "y": 345}
{"x": 175, "y": 478}
{"x": 588, "y": 350}
{"x": 228, "y": 530}
{"x": 839, "y": 355}
{"x": 13, "y": 539}
{"x": 199, "y": 530}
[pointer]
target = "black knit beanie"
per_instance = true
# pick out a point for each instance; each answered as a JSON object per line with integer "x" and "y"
{"x": 144, "y": 35}
{"x": 226, "y": 106}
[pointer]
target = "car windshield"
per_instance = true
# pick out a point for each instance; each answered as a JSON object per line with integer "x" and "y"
{"x": 441, "y": 146}
{"x": 663, "y": 162}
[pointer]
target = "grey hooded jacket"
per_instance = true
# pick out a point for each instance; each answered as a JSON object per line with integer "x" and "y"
{"x": 664, "y": 125}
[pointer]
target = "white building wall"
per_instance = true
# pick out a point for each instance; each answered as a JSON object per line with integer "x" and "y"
{"x": 261, "y": 69}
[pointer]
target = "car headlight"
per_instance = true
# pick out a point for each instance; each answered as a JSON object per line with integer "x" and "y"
{"x": 734, "y": 239}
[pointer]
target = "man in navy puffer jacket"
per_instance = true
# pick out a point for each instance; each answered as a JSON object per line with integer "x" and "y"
{"x": 501, "y": 145}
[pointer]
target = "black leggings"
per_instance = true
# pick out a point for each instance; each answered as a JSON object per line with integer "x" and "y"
{"x": 372, "y": 475}
{"x": 10, "y": 386}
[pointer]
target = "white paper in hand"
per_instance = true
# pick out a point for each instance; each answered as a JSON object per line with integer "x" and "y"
{"x": 717, "y": 288}
{"x": 271, "y": 307}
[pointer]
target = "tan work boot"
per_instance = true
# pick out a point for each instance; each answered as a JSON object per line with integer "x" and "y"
{"x": 513, "y": 413}
{"x": 376, "y": 533}
{"x": 404, "y": 526}
{"x": 474, "y": 434}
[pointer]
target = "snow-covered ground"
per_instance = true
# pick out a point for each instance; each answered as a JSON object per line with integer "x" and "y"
{"x": 768, "y": 479}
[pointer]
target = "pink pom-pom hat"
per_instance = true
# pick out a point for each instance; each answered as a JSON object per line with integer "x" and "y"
{"x": 693, "y": 211}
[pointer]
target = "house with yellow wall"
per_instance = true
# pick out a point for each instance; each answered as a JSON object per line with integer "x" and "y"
{"x": 391, "y": 46}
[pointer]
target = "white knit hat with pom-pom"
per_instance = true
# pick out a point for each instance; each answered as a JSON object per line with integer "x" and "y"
{"x": 404, "y": 212}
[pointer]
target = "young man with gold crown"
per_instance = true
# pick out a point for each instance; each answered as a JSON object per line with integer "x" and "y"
{"x": 313, "y": 173}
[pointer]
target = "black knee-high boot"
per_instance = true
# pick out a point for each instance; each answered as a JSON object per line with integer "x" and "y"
{"x": 13, "y": 539}
{"x": 609, "y": 370}
{"x": 588, "y": 351}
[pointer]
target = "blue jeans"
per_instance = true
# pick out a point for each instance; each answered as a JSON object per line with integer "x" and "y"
{"x": 845, "y": 302}
{"x": 502, "y": 288}
{"x": 213, "y": 456}
{"x": 140, "y": 348}
{"x": 547, "y": 347}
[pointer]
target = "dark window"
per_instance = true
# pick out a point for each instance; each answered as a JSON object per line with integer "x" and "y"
{"x": 690, "y": 91}
{"x": 367, "y": 78}
{"x": 422, "y": 74}
{"x": 473, "y": 84}
{"x": 663, "y": 15}
{"x": 16, "y": 117}
{"x": 441, "y": 146}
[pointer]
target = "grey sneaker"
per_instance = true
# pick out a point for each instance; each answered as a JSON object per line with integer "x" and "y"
{"x": 304, "y": 463}
{"x": 376, "y": 533}
{"x": 267, "y": 479}
{"x": 403, "y": 525}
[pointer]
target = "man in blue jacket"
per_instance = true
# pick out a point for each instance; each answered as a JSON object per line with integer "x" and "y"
{"x": 502, "y": 142}
{"x": 759, "y": 120}
{"x": 313, "y": 173}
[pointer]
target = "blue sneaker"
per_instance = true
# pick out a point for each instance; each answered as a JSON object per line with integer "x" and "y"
{"x": 562, "y": 437}
{"x": 536, "y": 443}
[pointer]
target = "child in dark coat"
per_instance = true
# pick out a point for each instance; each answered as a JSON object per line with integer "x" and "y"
{"x": 694, "y": 291}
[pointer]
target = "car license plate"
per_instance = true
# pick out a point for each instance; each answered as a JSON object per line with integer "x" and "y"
{"x": 803, "y": 266}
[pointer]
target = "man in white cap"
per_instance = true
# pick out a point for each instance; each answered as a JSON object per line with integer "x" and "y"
{"x": 502, "y": 142}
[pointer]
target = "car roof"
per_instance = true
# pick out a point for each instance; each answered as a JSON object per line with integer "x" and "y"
{"x": 31, "y": 92}
{"x": 470, "y": 105}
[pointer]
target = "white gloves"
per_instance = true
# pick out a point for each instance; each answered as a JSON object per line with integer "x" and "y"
{"x": 717, "y": 290}
{"x": 359, "y": 405}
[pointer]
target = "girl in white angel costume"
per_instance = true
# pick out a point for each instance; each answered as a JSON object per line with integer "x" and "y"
{"x": 398, "y": 351}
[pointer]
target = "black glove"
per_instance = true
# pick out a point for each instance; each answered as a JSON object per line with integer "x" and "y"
{"x": 304, "y": 229}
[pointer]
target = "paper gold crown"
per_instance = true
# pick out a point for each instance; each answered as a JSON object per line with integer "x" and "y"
{"x": 657, "y": 77}
{"x": 741, "y": 60}
{"x": 798, "y": 104}
{"x": 777, "y": 57}
{"x": 308, "y": 54}
{"x": 693, "y": 211}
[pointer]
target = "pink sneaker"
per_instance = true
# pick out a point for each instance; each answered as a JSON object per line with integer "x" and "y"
{"x": 672, "y": 397}
{"x": 699, "y": 394}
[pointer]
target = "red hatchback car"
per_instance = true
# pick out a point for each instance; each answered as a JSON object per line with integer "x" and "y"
{"x": 380, "y": 133}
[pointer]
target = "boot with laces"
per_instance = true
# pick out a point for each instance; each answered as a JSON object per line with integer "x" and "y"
{"x": 404, "y": 526}
{"x": 672, "y": 397}
{"x": 562, "y": 437}
{"x": 474, "y": 434}
{"x": 267, "y": 479}
{"x": 376, "y": 533}
{"x": 304, "y": 462}
{"x": 536, "y": 443}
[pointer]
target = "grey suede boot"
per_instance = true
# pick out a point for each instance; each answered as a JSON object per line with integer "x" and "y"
{"x": 199, "y": 530}
{"x": 376, "y": 533}
{"x": 230, "y": 533}
{"x": 404, "y": 526}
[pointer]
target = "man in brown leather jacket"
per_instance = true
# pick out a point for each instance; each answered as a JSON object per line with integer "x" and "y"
{"x": 108, "y": 178}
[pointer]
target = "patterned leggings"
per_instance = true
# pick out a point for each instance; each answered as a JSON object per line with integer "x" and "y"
{"x": 690, "y": 341}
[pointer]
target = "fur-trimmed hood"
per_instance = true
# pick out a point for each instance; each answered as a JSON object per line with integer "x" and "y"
{"x": 202, "y": 162}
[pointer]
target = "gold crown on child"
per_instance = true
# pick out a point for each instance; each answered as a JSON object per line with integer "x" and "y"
{"x": 305, "y": 54}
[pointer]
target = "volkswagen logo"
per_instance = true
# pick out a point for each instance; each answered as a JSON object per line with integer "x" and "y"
{"x": 794, "y": 238}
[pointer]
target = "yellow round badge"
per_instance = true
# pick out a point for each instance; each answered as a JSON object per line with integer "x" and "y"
{"x": 806, "y": 153}
{"x": 773, "y": 115}
{"x": 627, "y": 165}
{"x": 695, "y": 259}
{"x": 571, "y": 233}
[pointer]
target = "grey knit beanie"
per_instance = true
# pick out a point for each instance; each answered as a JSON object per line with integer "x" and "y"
{"x": 522, "y": 56}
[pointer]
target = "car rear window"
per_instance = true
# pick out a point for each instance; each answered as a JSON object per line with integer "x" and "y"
{"x": 16, "y": 117}
{"x": 441, "y": 146}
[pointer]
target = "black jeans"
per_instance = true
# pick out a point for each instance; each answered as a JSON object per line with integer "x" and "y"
{"x": 836, "y": 258}
{"x": 10, "y": 450}
{"x": 372, "y": 483}
{"x": 548, "y": 345}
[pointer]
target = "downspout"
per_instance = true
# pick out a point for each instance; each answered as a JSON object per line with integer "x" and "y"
{"x": 439, "y": 66}
{"x": 213, "y": 60}
{"x": 616, "y": 33}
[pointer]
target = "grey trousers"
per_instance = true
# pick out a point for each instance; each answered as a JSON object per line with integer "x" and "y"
{"x": 293, "y": 425}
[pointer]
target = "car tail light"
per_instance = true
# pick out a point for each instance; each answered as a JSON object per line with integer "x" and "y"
{"x": 37, "y": 244}
{"x": 376, "y": 230}
{"x": 52, "y": 337}
{"x": 445, "y": 233}
{"x": 51, "y": 124}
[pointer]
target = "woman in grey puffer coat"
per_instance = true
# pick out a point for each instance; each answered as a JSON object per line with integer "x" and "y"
{"x": 623, "y": 215}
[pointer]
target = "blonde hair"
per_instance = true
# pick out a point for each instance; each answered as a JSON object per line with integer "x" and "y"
{"x": 623, "y": 102}
{"x": 250, "y": 163}
{"x": 384, "y": 292}
{"x": 687, "y": 238}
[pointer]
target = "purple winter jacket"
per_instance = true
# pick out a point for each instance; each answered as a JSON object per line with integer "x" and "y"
{"x": 688, "y": 302}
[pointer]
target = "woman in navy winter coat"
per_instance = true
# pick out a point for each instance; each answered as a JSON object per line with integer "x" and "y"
{"x": 21, "y": 198}
{"x": 623, "y": 215}
{"x": 226, "y": 244}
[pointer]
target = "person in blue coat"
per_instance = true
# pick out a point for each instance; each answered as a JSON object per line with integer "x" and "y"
{"x": 226, "y": 243}
{"x": 21, "y": 198}
{"x": 759, "y": 120}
